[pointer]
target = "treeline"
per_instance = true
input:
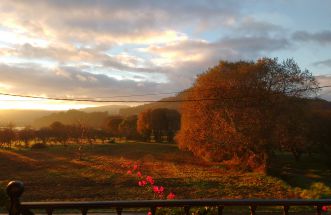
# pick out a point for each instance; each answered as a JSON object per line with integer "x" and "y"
{"x": 250, "y": 111}
{"x": 159, "y": 124}
{"x": 56, "y": 133}
{"x": 151, "y": 123}
{"x": 93, "y": 119}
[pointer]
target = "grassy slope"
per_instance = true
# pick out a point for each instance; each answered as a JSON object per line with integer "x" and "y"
{"x": 56, "y": 173}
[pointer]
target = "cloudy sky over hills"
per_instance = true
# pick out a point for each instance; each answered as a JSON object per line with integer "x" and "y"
{"x": 90, "y": 49}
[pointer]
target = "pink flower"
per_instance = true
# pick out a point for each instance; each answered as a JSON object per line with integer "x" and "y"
{"x": 155, "y": 189}
{"x": 142, "y": 183}
{"x": 129, "y": 172}
{"x": 158, "y": 190}
{"x": 135, "y": 167}
{"x": 150, "y": 180}
{"x": 171, "y": 196}
{"x": 149, "y": 213}
{"x": 139, "y": 174}
{"x": 324, "y": 208}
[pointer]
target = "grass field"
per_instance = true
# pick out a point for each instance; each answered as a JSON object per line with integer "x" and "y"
{"x": 57, "y": 173}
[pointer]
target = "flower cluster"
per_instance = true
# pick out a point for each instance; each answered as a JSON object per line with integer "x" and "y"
{"x": 325, "y": 208}
{"x": 147, "y": 182}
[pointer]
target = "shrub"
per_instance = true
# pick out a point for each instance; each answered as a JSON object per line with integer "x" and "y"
{"x": 3, "y": 196}
{"x": 39, "y": 146}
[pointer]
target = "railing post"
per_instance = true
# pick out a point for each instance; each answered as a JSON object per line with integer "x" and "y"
{"x": 318, "y": 210}
{"x": 14, "y": 190}
{"x": 252, "y": 209}
{"x": 286, "y": 209}
{"x": 119, "y": 210}
{"x": 187, "y": 210}
{"x": 220, "y": 209}
{"x": 153, "y": 210}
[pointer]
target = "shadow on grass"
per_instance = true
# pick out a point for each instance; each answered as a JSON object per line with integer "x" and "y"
{"x": 310, "y": 174}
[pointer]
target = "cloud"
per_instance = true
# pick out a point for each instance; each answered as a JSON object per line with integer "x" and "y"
{"x": 250, "y": 26}
{"x": 69, "y": 81}
{"x": 226, "y": 48}
{"x": 123, "y": 47}
{"x": 108, "y": 22}
{"x": 326, "y": 63}
{"x": 324, "y": 80}
{"x": 322, "y": 37}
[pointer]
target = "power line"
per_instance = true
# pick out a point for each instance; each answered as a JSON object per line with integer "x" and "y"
{"x": 96, "y": 100}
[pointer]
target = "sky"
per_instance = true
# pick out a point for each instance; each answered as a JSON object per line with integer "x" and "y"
{"x": 107, "y": 49}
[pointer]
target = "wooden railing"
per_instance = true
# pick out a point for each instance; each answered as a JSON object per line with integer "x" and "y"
{"x": 16, "y": 188}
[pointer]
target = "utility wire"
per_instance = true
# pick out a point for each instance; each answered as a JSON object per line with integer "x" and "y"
{"x": 131, "y": 101}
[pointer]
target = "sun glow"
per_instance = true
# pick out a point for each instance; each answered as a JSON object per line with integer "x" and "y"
{"x": 9, "y": 102}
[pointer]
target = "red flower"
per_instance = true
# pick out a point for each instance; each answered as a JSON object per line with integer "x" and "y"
{"x": 139, "y": 174}
{"x": 325, "y": 208}
{"x": 158, "y": 190}
{"x": 129, "y": 172}
{"x": 142, "y": 183}
{"x": 150, "y": 180}
{"x": 149, "y": 213}
{"x": 155, "y": 189}
{"x": 135, "y": 167}
{"x": 171, "y": 196}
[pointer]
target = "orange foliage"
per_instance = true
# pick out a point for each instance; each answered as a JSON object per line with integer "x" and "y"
{"x": 246, "y": 100}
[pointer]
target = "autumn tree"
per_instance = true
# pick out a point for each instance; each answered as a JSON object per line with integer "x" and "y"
{"x": 237, "y": 106}
{"x": 128, "y": 127}
{"x": 7, "y": 135}
{"x": 160, "y": 121}
{"x": 112, "y": 125}
{"x": 60, "y": 132}
{"x": 26, "y": 135}
{"x": 144, "y": 127}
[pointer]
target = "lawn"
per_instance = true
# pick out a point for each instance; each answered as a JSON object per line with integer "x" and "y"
{"x": 57, "y": 173}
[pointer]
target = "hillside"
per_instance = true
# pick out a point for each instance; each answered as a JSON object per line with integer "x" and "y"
{"x": 22, "y": 117}
{"x": 160, "y": 104}
{"x": 94, "y": 119}
{"x": 111, "y": 109}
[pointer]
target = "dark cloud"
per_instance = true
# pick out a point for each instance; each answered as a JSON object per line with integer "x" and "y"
{"x": 251, "y": 26}
{"x": 69, "y": 81}
{"x": 322, "y": 37}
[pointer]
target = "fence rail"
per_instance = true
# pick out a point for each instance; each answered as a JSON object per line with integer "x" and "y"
{"x": 16, "y": 188}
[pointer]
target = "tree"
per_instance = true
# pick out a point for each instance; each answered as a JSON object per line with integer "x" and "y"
{"x": 112, "y": 125}
{"x": 128, "y": 127}
{"x": 237, "y": 109}
{"x": 26, "y": 135}
{"x": 160, "y": 121}
{"x": 60, "y": 132}
{"x": 144, "y": 127}
{"x": 7, "y": 135}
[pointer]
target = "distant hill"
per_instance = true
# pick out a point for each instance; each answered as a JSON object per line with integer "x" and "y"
{"x": 161, "y": 104}
{"x": 111, "y": 109}
{"x": 22, "y": 117}
{"x": 93, "y": 119}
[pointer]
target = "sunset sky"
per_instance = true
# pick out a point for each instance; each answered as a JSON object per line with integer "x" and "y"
{"x": 101, "y": 49}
